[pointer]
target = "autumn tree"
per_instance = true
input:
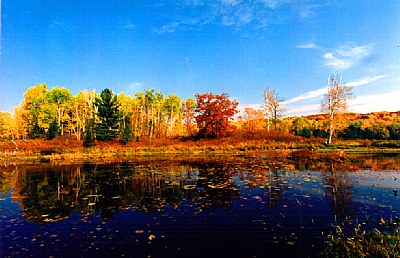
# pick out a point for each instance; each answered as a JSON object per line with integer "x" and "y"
{"x": 335, "y": 101}
{"x": 213, "y": 113}
{"x": 7, "y": 126}
{"x": 146, "y": 110}
{"x": 252, "y": 118}
{"x": 154, "y": 116}
{"x": 273, "y": 108}
{"x": 189, "y": 109}
{"x": 82, "y": 111}
{"x": 61, "y": 97}
{"x": 108, "y": 114}
{"x": 173, "y": 111}
{"x": 127, "y": 111}
{"x": 34, "y": 113}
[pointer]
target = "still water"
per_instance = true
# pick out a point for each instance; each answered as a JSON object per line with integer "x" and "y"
{"x": 192, "y": 209}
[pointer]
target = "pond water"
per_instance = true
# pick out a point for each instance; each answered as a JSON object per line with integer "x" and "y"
{"x": 191, "y": 209}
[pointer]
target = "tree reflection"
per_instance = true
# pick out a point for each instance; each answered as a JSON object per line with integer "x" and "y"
{"x": 52, "y": 193}
{"x": 7, "y": 180}
{"x": 44, "y": 194}
{"x": 274, "y": 187}
{"x": 339, "y": 187}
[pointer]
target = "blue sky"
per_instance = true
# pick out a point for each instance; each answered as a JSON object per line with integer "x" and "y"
{"x": 195, "y": 46}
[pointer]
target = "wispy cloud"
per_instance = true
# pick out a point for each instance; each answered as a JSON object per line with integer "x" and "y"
{"x": 306, "y": 96}
{"x": 347, "y": 56}
{"x": 273, "y": 4}
{"x": 235, "y": 14}
{"x": 362, "y": 104}
{"x": 230, "y": 2}
{"x": 59, "y": 25}
{"x": 129, "y": 26}
{"x": 315, "y": 94}
{"x": 191, "y": 23}
{"x": 366, "y": 80}
{"x": 310, "y": 45}
{"x": 308, "y": 10}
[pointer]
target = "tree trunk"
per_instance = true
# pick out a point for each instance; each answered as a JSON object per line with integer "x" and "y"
{"x": 331, "y": 129}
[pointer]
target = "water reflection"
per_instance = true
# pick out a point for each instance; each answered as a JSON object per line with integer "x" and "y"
{"x": 196, "y": 208}
{"x": 339, "y": 188}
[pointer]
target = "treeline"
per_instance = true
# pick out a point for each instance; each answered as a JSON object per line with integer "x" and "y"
{"x": 349, "y": 126}
{"x": 374, "y": 126}
{"x": 48, "y": 113}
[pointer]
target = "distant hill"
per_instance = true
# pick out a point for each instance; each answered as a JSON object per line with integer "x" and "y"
{"x": 383, "y": 115}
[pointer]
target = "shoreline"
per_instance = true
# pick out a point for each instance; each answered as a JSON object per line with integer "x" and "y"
{"x": 68, "y": 150}
{"x": 128, "y": 154}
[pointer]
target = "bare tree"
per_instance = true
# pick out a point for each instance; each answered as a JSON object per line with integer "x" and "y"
{"x": 273, "y": 109}
{"x": 335, "y": 101}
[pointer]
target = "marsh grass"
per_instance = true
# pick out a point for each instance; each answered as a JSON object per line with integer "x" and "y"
{"x": 363, "y": 244}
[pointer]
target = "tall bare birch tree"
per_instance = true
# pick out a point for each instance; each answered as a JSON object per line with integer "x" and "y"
{"x": 273, "y": 109}
{"x": 335, "y": 101}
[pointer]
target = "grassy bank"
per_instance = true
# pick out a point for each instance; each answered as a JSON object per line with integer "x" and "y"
{"x": 261, "y": 146}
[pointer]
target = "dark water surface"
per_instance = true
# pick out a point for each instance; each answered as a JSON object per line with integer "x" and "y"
{"x": 168, "y": 209}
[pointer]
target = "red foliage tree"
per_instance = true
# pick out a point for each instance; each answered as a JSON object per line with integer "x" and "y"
{"x": 213, "y": 113}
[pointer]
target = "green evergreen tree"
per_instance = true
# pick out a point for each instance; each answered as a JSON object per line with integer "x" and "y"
{"x": 88, "y": 140}
{"x": 305, "y": 132}
{"x": 109, "y": 115}
{"x": 37, "y": 132}
{"x": 53, "y": 130}
{"x": 127, "y": 134}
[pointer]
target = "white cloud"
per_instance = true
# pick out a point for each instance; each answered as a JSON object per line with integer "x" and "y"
{"x": 135, "y": 87}
{"x": 347, "y": 56}
{"x": 307, "y": 45}
{"x": 309, "y": 103}
{"x": 306, "y": 96}
{"x": 303, "y": 110}
{"x": 378, "y": 102}
{"x": 361, "y": 104}
{"x": 365, "y": 81}
{"x": 168, "y": 28}
{"x": 315, "y": 94}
